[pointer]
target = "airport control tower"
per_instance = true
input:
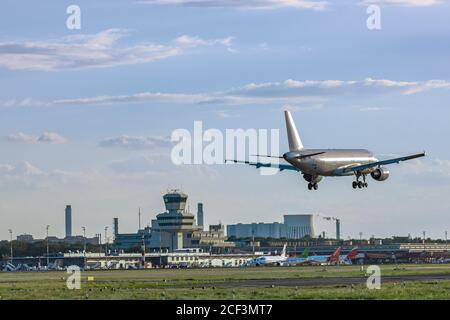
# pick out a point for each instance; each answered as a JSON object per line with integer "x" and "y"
{"x": 173, "y": 229}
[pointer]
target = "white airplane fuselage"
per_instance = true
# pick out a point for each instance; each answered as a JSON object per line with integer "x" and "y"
{"x": 330, "y": 161}
{"x": 268, "y": 260}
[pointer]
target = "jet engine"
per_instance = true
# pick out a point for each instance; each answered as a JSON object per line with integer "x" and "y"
{"x": 380, "y": 174}
{"x": 311, "y": 178}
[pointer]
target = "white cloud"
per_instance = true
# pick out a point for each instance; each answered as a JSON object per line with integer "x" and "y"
{"x": 294, "y": 108}
{"x": 22, "y": 169}
{"x": 51, "y": 137}
{"x": 136, "y": 142}
{"x": 371, "y": 109}
{"x": 293, "y": 88}
{"x": 226, "y": 114}
{"x": 25, "y": 175}
{"x": 404, "y": 3}
{"x": 436, "y": 167}
{"x": 247, "y": 4}
{"x": 45, "y": 137}
{"x": 429, "y": 85}
{"x": 227, "y": 98}
{"x": 289, "y": 91}
{"x": 27, "y": 169}
{"x": 27, "y": 102}
{"x": 83, "y": 51}
{"x": 92, "y": 51}
{"x": 6, "y": 168}
{"x": 149, "y": 164}
{"x": 194, "y": 41}
{"x": 21, "y": 137}
{"x": 155, "y": 97}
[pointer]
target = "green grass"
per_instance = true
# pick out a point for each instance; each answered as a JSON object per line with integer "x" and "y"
{"x": 187, "y": 284}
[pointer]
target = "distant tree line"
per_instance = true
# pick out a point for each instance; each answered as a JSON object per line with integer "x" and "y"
{"x": 39, "y": 248}
{"x": 307, "y": 240}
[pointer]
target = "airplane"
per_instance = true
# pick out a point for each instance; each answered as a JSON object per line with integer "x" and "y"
{"x": 325, "y": 259}
{"x": 272, "y": 260}
{"x": 349, "y": 257}
{"x": 334, "y": 258}
{"x": 314, "y": 164}
{"x": 302, "y": 258}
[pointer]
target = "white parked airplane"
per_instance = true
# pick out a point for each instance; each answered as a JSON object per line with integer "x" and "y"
{"x": 271, "y": 260}
{"x": 314, "y": 164}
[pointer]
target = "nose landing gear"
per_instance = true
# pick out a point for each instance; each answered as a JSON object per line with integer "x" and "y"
{"x": 360, "y": 184}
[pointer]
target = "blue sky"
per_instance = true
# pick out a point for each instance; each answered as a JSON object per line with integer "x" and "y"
{"x": 137, "y": 70}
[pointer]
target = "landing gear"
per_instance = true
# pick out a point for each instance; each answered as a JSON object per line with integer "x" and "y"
{"x": 314, "y": 186}
{"x": 313, "y": 181}
{"x": 360, "y": 184}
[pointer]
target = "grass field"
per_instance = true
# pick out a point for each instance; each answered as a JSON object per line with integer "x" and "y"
{"x": 212, "y": 284}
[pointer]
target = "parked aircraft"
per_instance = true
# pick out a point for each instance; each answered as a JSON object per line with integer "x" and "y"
{"x": 271, "y": 260}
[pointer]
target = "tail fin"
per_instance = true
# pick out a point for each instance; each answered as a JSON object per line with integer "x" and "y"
{"x": 305, "y": 253}
{"x": 283, "y": 253}
{"x": 352, "y": 254}
{"x": 334, "y": 258}
{"x": 295, "y": 143}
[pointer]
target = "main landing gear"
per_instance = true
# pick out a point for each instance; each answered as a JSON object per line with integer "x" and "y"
{"x": 313, "y": 185}
{"x": 313, "y": 181}
{"x": 360, "y": 184}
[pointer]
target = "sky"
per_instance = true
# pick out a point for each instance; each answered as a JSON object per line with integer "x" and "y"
{"x": 86, "y": 114}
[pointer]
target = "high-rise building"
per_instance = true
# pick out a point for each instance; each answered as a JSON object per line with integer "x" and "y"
{"x": 68, "y": 221}
{"x": 297, "y": 226}
{"x": 200, "y": 221}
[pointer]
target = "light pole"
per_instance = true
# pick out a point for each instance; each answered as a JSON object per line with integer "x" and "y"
{"x": 84, "y": 238}
{"x": 48, "y": 259}
{"x": 360, "y": 236}
{"x": 10, "y": 236}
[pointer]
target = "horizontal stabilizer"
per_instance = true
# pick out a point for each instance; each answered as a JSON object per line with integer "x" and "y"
{"x": 307, "y": 155}
{"x": 280, "y": 167}
{"x": 266, "y": 156}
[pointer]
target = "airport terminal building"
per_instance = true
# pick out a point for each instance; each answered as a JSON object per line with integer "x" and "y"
{"x": 294, "y": 226}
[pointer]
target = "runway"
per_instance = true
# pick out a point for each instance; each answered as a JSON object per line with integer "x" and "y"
{"x": 300, "y": 282}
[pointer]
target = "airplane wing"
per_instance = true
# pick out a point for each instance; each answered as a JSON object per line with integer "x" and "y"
{"x": 383, "y": 162}
{"x": 280, "y": 167}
